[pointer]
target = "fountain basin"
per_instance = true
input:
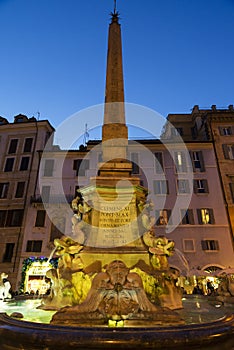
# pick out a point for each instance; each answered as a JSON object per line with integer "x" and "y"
{"x": 17, "y": 334}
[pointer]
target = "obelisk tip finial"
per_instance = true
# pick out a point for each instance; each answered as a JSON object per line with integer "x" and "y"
{"x": 115, "y": 14}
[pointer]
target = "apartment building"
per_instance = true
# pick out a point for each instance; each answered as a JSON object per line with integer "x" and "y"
{"x": 217, "y": 126}
{"x": 19, "y": 160}
{"x": 183, "y": 183}
{"x": 183, "y": 178}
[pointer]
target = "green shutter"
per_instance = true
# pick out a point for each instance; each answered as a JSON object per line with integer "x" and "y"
{"x": 191, "y": 217}
{"x": 199, "y": 217}
{"x": 200, "y": 154}
{"x": 211, "y": 215}
{"x": 206, "y": 186}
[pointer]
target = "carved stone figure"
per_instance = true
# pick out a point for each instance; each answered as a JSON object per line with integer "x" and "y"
{"x": 145, "y": 209}
{"x": 80, "y": 219}
{"x": 77, "y": 232}
{"x": 172, "y": 294}
{"x": 5, "y": 287}
{"x": 69, "y": 252}
{"x": 226, "y": 286}
{"x": 116, "y": 292}
{"x": 231, "y": 284}
{"x": 116, "y": 295}
{"x": 160, "y": 248}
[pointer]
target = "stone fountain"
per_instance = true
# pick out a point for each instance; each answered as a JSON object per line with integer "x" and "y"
{"x": 113, "y": 287}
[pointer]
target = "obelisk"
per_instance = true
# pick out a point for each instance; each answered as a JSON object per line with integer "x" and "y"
{"x": 115, "y": 194}
{"x": 114, "y": 130}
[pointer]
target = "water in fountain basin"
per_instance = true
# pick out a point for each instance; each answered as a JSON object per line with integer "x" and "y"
{"x": 196, "y": 309}
{"x": 28, "y": 308}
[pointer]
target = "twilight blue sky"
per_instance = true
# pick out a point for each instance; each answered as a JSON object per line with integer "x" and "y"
{"x": 177, "y": 53}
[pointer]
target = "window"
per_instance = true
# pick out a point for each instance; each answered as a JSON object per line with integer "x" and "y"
{"x": 40, "y": 219}
{"x": 81, "y": 165}
{"x": 180, "y": 162}
{"x": 13, "y": 146}
{"x": 3, "y": 121}
{"x": 57, "y": 228}
{"x": 159, "y": 168}
{"x": 3, "y": 214}
{"x": 197, "y": 161}
{"x": 210, "y": 245}
{"x": 45, "y": 194}
{"x": 194, "y": 132}
{"x": 231, "y": 185}
{"x": 9, "y": 164}
{"x": 163, "y": 217}
{"x": 8, "y": 254}
{"x": 24, "y": 163}
{"x": 34, "y": 246}
{"x": 183, "y": 186}
{"x": 19, "y": 119}
{"x": 19, "y": 193}
{"x": 49, "y": 167}
{"x": 188, "y": 245}
{"x": 160, "y": 187}
{"x": 99, "y": 157}
{"x": 176, "y": 131}
{"x": 11, "y": 218}
{"x": 225, "y": 131}
{"x": 14, "y": 217}
{"x": 135, "y": 162}
{"x": 228, "y": 151}
{"x": 187, "y": 217}
{"x": 28, "y": 144}
{"x": 4, "y": 186}
{"x": 205, "y": 216}
{"x": 200, "y": 186}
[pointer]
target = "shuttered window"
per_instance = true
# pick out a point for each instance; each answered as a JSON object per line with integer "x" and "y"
{"x": 210, "y": 245}
{"x": 200, "y": 186}
{"x": 183, "y": 186}
{"x": 205, "y": 216}
{"x": 163, "y": 217}
{"x": 228, "y": 151}
{"x": 28, "y": 144}
{"x": 49, "y": 167}
{"x": 159, "y": 167}
{"x": 81, "y": 165}
{"x": 160, "y": 187}
{"x": 19, "y": 193}
{"x": 40, "y": 219}
{"x": 34, "y": 246}
{"x": 197, "y": 161}
{"x": 187, "y": 217}
{"x": 180, "y": 162}
{"x": 13, "y": 146}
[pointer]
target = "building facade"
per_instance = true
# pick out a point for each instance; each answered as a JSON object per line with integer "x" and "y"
{"x": 217, "y": 126}
{"x": 185, "y": 182}
{"x": 19, "y": 161}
